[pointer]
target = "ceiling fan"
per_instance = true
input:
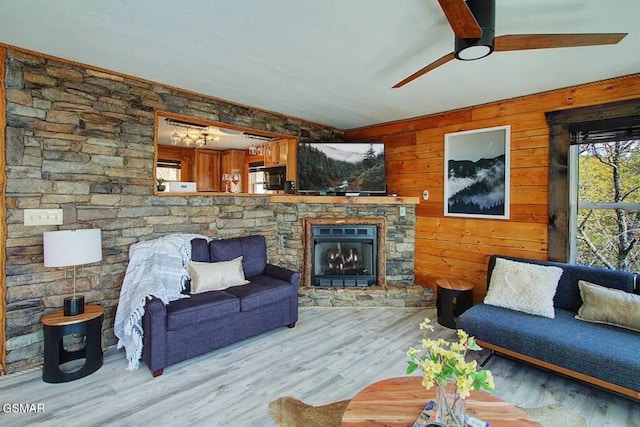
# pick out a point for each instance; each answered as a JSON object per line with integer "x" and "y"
{"x": 473, "y": 22}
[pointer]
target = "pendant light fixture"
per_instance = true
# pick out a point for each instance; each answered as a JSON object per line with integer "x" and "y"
{"x": 484, "y": 12}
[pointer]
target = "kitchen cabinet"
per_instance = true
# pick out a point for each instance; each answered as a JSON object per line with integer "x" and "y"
{"x": 276, "y": 153}
{"x": 292, "y": 160}
{"x": 232, "y": 162}
{"x": 208, "y": 174}
{"x": 283, "y": 152}
{"x": 271, "y": 154}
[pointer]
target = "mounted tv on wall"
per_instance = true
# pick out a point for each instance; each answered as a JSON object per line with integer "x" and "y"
{"x": 339, "y": 168}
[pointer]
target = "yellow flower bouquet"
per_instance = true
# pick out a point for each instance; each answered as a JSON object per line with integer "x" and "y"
{"x": 443, "y": 364}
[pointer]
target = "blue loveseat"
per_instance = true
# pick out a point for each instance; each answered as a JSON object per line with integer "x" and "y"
{"x": 602, "y": 355}
{"x": 206, "y": 321}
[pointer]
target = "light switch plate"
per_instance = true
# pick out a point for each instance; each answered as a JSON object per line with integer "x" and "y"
{"x": 403, "y": 211}
{"x": 43, "y": 217}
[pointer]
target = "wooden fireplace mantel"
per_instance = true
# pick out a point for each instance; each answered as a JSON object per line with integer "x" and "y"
{"x": 358, "y": 200}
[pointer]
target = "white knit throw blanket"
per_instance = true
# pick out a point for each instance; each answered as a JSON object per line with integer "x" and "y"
{"x": 156, "y": 268}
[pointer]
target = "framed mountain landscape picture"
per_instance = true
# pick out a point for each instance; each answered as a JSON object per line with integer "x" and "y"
{"x": 476, "y": 175}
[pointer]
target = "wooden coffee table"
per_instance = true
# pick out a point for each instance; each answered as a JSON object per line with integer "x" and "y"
{"x": 397, "y": 402}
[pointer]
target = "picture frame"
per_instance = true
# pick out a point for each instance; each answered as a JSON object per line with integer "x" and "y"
{"x": 476, "y": 173}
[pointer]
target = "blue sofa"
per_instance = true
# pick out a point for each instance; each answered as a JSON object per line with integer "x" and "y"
{"x": 602, "y": 355}
{"x": 192, "y": 326}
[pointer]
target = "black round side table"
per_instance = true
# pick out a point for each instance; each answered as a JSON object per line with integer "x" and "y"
{"x": 453, "y": 297}
{"x": 56, "y": 326}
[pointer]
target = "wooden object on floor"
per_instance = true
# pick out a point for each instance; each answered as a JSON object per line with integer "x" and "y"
{"x": 56, "y": 326}
{"x": 397, "y": 402}
{"x": 453, "y": 297}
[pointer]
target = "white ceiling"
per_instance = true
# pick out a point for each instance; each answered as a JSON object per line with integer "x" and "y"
{"x": 328, "y": 61}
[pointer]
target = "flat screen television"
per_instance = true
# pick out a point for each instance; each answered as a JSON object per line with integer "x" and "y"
{"x": 338, "y": 168}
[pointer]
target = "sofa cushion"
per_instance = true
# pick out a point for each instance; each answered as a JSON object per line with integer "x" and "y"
{"x": 263, "y": 290}
{"x": 524, "y": 287}
{"x": 253, "y": 249}
{"x": 609, "y": 306}
{"x": 200, "y": 250}
{"x": 200, "y": 308}
{"x": 601, "y": 351}
{"x": 215, "y": 276}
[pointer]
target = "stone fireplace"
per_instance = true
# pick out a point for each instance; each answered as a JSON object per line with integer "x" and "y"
{"x": 345, "y": 252}
{"x": 394, "y": 221}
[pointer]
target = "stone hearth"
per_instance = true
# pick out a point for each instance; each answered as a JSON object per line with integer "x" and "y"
{"x": 372, "y": 296}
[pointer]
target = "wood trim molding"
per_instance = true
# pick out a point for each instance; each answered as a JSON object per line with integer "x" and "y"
{"x": 562, "y": 371}
{"x": 3, "y": 214}
{"x": 559, "y": 122}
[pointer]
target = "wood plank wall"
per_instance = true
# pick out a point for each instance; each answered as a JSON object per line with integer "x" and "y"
{"x": 448, "y": 247}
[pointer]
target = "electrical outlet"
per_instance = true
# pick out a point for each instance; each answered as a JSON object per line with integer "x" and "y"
{"x": 425, "y": 195}
{"x": 42, "y": 217}
{"x": 403, "y": 211}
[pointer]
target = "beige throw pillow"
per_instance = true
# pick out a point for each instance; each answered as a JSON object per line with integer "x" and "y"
{"x": 525, "y": 287}
{"x": 214, "y": 276}
{"x": 609, "y": 306}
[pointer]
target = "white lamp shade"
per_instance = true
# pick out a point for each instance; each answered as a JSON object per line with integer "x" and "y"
{"x": 72, "y": 247}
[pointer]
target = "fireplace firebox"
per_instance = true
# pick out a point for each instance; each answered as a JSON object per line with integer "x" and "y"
{"x": 344, "y": 255}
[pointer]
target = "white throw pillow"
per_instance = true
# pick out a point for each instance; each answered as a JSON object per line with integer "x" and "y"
{"x": 525, "y": 287}
{"x": 609, "y": 306}
{"x": 215, "y": 276}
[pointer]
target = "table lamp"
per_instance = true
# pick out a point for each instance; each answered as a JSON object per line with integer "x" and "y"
{"x": 72, "y": 248}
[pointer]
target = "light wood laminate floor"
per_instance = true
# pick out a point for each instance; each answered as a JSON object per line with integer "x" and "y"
{"x": 330, "y": 355}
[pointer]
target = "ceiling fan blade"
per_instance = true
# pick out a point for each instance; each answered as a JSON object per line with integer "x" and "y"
{"x": 435, "y": 64}
{"x": 549, "y": 41}
{"x": 461, "y": 19}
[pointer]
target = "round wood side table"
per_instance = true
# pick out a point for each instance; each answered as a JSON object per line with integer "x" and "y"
{"x": 453, "y": 297}
{"x": 56, "y": 326}
{"x": 397, "y": 402}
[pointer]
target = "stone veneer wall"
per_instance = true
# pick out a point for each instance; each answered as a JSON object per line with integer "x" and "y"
{"x": 82, "y": 140}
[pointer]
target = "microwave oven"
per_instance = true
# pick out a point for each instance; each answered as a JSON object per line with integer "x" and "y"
{"x": 274, "y": 178}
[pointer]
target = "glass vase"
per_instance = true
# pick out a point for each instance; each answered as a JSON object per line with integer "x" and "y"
{"x": 450, "y": 407}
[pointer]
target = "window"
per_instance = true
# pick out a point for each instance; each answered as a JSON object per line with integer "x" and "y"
{"x": 604, "y": 211}
{"x": 256, "y": 178}
{"x": 169, "y": 170}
